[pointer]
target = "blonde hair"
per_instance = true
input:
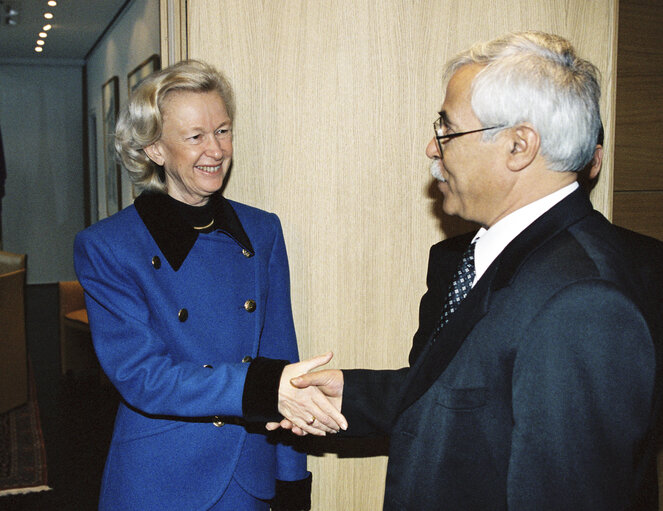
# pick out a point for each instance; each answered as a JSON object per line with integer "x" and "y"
{"x": 141, "y": 120}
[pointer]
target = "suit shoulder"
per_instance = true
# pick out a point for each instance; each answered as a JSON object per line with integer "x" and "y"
{"x": 456, "y": 244}
{"x": 638, "y": 243}
{"x": 248, "y": 213}
{"x": 246, "y": 209}
{"x": 121, "y": 224}
{"x": 260, "y": 225}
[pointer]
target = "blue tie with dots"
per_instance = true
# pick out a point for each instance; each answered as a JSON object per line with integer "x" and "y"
{"x": 459, "y": 287}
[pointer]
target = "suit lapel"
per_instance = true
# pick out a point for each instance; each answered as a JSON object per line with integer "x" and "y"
{"x": 436, "y": 356}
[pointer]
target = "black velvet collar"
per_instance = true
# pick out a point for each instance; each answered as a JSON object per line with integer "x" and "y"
{"x": 174, "y": 236}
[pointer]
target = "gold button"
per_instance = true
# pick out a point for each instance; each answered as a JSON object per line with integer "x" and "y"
{"x": 250, "y": 305}
{"x": 183, "y": 315}
{"x": 218, "y": 422}
{"x": 247, "y": 359}
{"x": 156, "y": 262}
{"x": 247, "y": 253}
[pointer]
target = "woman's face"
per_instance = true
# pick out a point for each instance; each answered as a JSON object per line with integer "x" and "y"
{"x": 196, "y": 145}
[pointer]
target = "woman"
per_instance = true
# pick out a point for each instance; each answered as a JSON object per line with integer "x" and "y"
{"x": 189, "y": 305}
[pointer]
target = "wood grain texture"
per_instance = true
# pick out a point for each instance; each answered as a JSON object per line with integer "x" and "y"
{"x": 639, "y": 113}
{"x": 335, "y": 104}
{"x": 172, "y": 20}
{"x": 640, "y": 211}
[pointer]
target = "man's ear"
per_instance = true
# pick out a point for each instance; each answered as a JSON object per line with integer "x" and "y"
{"x": 596, "y": 163}
{"x": 523, "y": 146}
{"x": 153, "y": 152}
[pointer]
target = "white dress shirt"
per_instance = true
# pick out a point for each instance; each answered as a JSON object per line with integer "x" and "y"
{"x": 491, "y": 242}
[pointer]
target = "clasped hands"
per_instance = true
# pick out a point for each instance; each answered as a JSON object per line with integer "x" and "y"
{"x": 310, "y": 402}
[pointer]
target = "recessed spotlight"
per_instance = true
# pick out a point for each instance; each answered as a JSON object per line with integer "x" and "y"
{"x": 40, "y": 42}
{"x": 52, "y": 3}
{"x": 43, "y": 35}
{"x": 39, "y": 49}
{"x": 47, "y": 27}
{"x": 48, "y": 15}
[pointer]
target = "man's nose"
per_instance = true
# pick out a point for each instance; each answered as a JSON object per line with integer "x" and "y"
{"x": 432, "y": 149}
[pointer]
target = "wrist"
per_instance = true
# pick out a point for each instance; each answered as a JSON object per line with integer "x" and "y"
{"x": 261, "y": 390}
{"x": 292, "y": 495}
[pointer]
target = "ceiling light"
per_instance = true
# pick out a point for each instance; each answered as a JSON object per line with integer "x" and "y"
{"x": 8, "y": 15}
{"x": 39, "y": 49}
{"x": 52, "y": 3}
{"x": 43, "y": 35}
{"x": 48, "y": 15}
{"x": 47, "y": 27}
{"x": 40, "y": 42}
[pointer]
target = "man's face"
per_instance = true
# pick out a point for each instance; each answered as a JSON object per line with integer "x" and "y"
{"x": 470, "y": 183}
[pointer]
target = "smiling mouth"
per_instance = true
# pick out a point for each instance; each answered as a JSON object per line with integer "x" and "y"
{"x": 209, "y": 170}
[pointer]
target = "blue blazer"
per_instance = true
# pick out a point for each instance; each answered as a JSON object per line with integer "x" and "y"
{"x": 542, "y": 391}
{"x": 175, "y": 345}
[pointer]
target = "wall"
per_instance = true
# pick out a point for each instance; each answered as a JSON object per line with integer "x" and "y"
{"x": 638, "y": 201}
{"x": 131, "y": 40}
{"x": 335, "y": 105}
{"x": 41, "y": 112}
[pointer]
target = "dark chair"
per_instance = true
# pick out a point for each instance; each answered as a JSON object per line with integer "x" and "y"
{"x": 13, "y": 346}
{"x": 76, "y": 351}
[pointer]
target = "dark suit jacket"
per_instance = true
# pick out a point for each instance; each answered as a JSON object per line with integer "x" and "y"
{"x": 540, "y": 393}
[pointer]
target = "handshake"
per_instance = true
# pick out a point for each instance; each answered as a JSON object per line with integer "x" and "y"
{"x": 310, "y": 402}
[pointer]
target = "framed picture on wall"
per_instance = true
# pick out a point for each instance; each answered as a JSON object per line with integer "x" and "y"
{"x": 91, "y": 196}
{"x": 110, "y": 97}
{"x": 140, "y": 72}
{"x": 143, "y": 70}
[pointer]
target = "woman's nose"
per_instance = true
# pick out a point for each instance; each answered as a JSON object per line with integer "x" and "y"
{"x": 214, "y": 148}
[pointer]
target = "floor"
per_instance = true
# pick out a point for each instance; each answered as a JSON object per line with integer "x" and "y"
{"x": 76, "y": 413}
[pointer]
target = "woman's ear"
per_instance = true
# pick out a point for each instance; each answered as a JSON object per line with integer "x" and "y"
{"x": 153, "y": 152}
{"x": 523, "y": 146}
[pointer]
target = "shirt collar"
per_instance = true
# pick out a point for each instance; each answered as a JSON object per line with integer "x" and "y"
{"x": 172, "y": 234}
{"x": 491, "y": 242}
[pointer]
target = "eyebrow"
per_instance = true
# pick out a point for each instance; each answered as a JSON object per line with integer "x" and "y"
{"x": 445, "y": 119}
{"x": 202, "y": 129}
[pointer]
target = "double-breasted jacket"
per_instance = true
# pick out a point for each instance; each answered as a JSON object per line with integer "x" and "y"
{"x": 176, "y": 319}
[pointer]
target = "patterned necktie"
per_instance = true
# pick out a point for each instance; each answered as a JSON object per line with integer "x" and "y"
{"x": 459, "y": 287}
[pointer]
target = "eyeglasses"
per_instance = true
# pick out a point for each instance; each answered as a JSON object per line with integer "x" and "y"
{"x": 438, "y": 127}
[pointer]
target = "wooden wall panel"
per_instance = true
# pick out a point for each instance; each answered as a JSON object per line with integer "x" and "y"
{"x": 639, "y": 118}
{"x": 640, "y": 211}
{"x": 335, "y": 104}
{"x": 639, "y": 109}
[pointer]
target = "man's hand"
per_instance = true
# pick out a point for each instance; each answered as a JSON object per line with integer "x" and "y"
{"x": 329, "y": 382}
{"x": 306, "y": 408}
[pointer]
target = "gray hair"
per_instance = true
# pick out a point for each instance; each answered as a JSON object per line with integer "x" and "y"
{"x": 537, "y": 78}
{"x": 141, "y": 120}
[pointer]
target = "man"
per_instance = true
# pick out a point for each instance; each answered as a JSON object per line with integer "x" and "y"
{"x": 539, "y": 389}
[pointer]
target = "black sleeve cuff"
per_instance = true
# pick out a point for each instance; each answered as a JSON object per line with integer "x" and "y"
{"x": 261, "y": 390}
{"x": 292, "y": 495}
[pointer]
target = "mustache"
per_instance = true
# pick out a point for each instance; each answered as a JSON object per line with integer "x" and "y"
{"x": 436, "y": 170}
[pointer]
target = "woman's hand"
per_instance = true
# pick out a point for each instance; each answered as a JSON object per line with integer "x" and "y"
{"x": 308, "y": 410}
